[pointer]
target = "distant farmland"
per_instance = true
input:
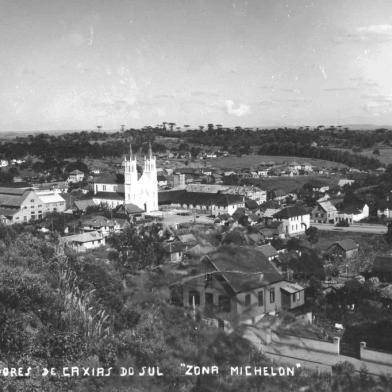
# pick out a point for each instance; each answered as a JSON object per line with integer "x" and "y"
{"x": 249, "y": 161}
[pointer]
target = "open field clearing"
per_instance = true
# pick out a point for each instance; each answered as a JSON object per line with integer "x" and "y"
{"x": 249, "y": 161}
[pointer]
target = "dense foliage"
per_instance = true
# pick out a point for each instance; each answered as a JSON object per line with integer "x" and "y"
{"x": 59, "y": 309}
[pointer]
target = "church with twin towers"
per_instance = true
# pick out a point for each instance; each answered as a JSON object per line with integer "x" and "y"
{"x": 137, "y": 190}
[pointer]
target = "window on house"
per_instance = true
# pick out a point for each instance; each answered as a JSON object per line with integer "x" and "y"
{"x": 209, "y": 300}
{"x": 260, "y": 298}
{"x": 224, "y": 303}
{"x": 247, "y": 299}
{"x": 296, "y": 297}
{"x": 194, "y": 298}
{"x": 272, "y": 295}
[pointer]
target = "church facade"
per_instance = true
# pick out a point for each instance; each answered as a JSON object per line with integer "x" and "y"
{"x": 141, "y": 191}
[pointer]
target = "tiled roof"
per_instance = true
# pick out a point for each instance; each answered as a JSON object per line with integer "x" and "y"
{"x": 244, "y": 268}
{"x": 110, "y": 179}
{"x": 347, "y": 244}
{"x": 133, "y": 208}
{"x": 8, "y": 212}
{"x": 83, "y": 204}
{"x": 290, "y": 212}
{"x": 268, "y": 250}
{"x": 327, "y": 206}
{"x": 292, "y": 288}
{"x": 352, "y": 209}
{"x": 109, "y": 196}
{"x": 84, "y": 237}
{"x": 98, "y": 221}
{"x": 198, "y": 198}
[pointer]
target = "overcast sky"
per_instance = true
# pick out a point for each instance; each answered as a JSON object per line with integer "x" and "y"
{"x": 75, "y": 64}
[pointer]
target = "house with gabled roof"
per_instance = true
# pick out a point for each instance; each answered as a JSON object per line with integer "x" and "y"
{"x": 344, "y": 249}
{"x": 269, "y": 252}
{"x": 239, "y": 284}
{"x": 295, "y": 220}
{"x": 352, "y": 213}
{"x": 85, "y": 241}
{"x": 20, "y": 205}
{"x": 324, "y": 212}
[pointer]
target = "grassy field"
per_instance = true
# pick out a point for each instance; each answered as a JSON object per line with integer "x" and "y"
{"x": 251, "y": 161}
{"x": 384, "y": 157}
{"x": 290, "y": 184}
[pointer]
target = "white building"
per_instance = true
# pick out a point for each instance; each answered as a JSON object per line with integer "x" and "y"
{"x": 84, "y": 241}
{"x": 352, "y": 214}
{"x": 385, "y": 210}
{"x": 21, "y": 205}
{"x": 140, "y": 191}
{"x": 295, "y": 220}
{"x": 76, "y": 176}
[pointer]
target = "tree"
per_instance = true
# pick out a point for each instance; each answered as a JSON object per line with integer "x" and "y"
{"x": 312, "y": 234}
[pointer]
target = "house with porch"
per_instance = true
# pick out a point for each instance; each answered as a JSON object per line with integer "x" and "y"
{"x": 238, "y": 284}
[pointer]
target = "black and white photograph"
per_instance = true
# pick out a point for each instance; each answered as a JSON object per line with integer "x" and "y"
{"x": 195, "y": 195}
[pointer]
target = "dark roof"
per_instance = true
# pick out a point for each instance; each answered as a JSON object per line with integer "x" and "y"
{"x": 167, "y": 197}
{"x": 346, "y": 245}
{"x": 132, "y": 208}
{"x": 197, "y": 198}
{"x": 21, "y": 184}
{"x": 351, "y": 209}
{"x": 244, "y": 268}
{"x": 98, "y": 221}
{"x": 8, "y": 212}
{"x": 187, "y": 170}
{"x": 110, "y": 179}
{"x": 238, "y": 213}
{"x": 251, "y": 204}
{"x": 109, "y": 195}
{"x": 290, "y": 212}
{"x": 83, "y": 204}
{"x": 268, "y": 250}
{"x": 384, "y": 204}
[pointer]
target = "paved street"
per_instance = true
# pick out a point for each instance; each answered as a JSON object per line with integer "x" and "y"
{"x": 357, "y": 227}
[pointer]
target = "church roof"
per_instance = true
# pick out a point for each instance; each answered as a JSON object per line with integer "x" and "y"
{"x": 108, "y": 179}
{"x": 198, "y": 198}
{"x": 109, "y": 195}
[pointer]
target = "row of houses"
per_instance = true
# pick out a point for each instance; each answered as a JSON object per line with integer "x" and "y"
{"x": 326, "y": 212}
